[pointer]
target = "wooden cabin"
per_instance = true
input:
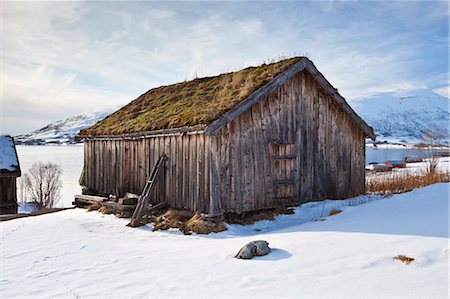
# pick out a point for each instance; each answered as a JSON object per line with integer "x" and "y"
{"x": 9, "y": 171}
{"x": 276, "y": 134}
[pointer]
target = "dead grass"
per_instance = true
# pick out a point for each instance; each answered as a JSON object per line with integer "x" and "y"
{"x": 95, "y": 206}
{"x": 399, "y": 182}
{"x": 202, "y": 225}
{"x": 196, "y": 102}
{"x": 253, "y": 216}
{"x": 105, "y": 210}
{"x": 124, "y": 214}
{"x": 334, "y": 212}
{"x": 188, "y": 222}
{"x": 171, "y": 219}
{"x": 404, "y": 259}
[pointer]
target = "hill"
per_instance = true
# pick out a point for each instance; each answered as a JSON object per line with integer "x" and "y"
{"x": 63, "y": 131}
{"x": 404, "y": 115}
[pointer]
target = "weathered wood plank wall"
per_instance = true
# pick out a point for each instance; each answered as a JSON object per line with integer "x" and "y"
{"x": 294, "y": 146}
{"x": 117, "y": 166}
{"x": 8, "y": 195}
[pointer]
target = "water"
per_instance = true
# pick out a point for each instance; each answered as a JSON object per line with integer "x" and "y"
{"x": 70, "y": 157}
{"x": 384, "y": 154}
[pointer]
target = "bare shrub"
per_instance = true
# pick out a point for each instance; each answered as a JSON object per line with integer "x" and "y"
{"x": 431, "y": 163}
{"x": 432, "y": 139}
{"x": 42, "y": 184}
{"x": 21, "y": 191}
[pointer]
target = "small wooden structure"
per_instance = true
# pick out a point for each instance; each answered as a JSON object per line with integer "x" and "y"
{"x": 9, "y": 171}
{"x": 277, "y": 134}
{"x": 396, "y": 163}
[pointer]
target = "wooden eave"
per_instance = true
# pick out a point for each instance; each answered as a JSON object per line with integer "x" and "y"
{"x": 10, "y": 174}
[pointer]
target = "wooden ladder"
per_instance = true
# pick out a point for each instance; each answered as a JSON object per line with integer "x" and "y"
{"x": 143, "y": 207}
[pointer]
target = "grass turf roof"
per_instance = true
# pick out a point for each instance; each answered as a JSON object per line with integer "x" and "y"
{"x": 190, "y": 103}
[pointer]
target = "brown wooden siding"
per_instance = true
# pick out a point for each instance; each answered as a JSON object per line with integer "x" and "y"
{"x": 294, "y": 146}
{"x": 8, "y": 195}
{"x": 116, "y": 166}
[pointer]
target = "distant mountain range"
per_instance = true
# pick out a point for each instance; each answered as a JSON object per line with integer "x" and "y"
{"x": 63, "y": 131}
{"x": 399, "y": 116}
{"x": 403, "y": 116}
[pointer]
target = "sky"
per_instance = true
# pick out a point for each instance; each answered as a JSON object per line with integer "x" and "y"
{"x": 59, "y": 59}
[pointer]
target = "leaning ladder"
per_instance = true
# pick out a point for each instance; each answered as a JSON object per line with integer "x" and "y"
{"x": 142, "y": 207}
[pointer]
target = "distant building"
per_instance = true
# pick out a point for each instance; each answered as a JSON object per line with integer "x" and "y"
{"x": 277, "y": 134}
{"x": 9, "y": 171}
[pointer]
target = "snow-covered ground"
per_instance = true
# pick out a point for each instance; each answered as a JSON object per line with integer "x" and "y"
{"x": 79, "y": 254}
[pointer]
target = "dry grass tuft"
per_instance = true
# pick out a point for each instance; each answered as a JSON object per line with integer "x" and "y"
{"x": 253, "y": 216}
{"x": 202, "y": 225}
{"x": 399, "y": 182}
{"x": 404, "y": 259}
{"x": 171, "y": 219}
{"x": 334, "y": 212}
{"x": 123, "y": 215}
{"x": 188, "y": 222}
{"x": 104, "y": 210}
{"x": 95, "y": 206}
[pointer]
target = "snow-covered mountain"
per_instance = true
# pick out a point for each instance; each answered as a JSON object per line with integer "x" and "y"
{"x": 404, "y": 115}
{"x": 63, "y": 131}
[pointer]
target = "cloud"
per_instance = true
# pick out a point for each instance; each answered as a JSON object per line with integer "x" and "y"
{"x": 60, "y": 59}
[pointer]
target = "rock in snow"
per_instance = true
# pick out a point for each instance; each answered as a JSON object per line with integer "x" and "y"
{"x": 252, "y": 249}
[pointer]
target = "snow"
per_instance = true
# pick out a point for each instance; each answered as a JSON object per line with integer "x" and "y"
{"x": 400, "y": 116}
{"x": 86, "y": 254}
{"x": 8, "y": 157}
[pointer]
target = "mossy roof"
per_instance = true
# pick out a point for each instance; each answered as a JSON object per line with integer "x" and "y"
{"x": 190, "y": 103}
